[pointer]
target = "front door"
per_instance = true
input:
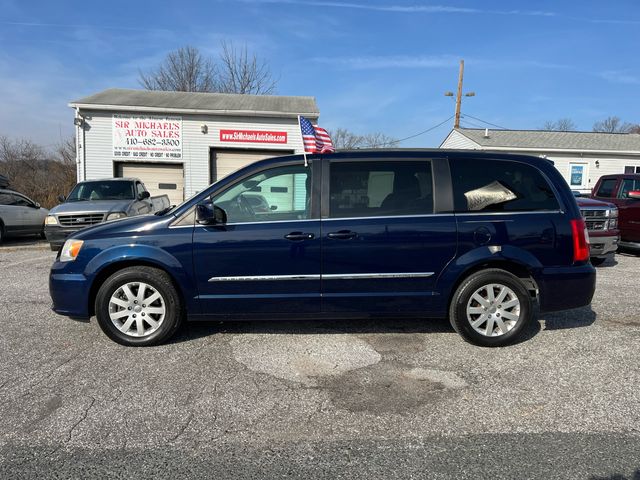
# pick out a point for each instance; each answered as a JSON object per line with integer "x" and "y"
{"x": 628, "y": 209}
{"x": 266, "y": 258}
{"x": 383, "y": 246}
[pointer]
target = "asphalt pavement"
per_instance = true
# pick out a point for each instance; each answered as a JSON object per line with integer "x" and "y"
{"x": 358, "y": 399}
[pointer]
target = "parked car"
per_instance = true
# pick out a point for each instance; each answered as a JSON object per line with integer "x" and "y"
{"x": 19, "y": 215}
{"x": 96, "y": 201}
{"x": 601, "y": 219}
{"x": 623, "y": 190}
{"x": 479, "y": 237}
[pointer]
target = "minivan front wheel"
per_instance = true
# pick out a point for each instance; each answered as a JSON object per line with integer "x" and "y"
{"x": 490, "y": 308}
{"x": 138, "y": 306}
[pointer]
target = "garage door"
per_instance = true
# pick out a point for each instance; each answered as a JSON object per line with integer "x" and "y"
{"x": 160, "y": 179}
{"x": 223, "y": 162}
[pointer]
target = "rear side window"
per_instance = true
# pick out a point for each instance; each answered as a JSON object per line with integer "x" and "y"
{"x": 606, "y": 188}
{"x": 499, "y": 186}
{"x": 389, "y": 188}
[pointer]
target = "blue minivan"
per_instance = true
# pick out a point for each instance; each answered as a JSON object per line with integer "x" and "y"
{"x": 484, "y": 238}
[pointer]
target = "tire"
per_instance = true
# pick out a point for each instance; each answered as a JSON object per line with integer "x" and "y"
{"x": 1, "y": 231}
{"x": 472, "y": 320}
{"x": 596, "y": 262}
{"x": 126, "y": 319}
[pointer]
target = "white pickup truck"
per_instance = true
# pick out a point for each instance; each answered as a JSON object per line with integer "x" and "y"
{"x": 96, "y": 201}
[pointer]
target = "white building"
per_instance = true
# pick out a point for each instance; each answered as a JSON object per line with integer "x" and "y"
{"x": 581, "y": 157}
{"x": 178, "y": 143}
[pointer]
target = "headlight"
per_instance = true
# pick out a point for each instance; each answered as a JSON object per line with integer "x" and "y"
{"x": 116, "y": 215}
{"x": 70, "y": 250}
{"x": 51, "y": 220}
{"x": 613, "y": 223}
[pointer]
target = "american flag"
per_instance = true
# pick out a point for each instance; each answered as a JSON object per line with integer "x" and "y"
{"x": 315, "y": 138}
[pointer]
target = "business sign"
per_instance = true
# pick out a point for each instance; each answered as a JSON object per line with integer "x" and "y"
{"x": 252, "y": 136}
{"x": 577, "y": 175}
{"x": 147, "y": 136}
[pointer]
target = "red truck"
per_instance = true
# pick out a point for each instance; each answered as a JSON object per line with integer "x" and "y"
{"x": 623, "y": 190}
{"x": 601, "y": 219}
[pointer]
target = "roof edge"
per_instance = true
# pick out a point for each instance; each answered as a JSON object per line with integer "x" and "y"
{"x": 138, "y": 108}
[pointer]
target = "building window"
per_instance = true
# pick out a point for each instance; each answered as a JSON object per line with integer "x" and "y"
{"x": 631, "y": 169}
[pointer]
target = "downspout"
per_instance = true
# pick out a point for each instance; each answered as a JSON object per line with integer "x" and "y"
{"x": 81, "y": 155}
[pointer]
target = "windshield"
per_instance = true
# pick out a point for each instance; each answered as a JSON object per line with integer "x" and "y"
{"x": 104, "y": 190}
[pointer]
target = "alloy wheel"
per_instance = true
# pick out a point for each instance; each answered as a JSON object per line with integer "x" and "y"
{"x": 493, "y": 310}
{"x": 137, "y": 309}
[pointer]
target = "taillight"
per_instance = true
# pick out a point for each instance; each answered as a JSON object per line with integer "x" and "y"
{"x": 580, "y": 240}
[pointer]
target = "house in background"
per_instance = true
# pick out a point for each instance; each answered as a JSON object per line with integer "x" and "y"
{"x": 581, "y": 157}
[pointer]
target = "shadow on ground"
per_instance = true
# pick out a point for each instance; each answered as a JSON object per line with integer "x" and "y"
{"x": 194, "y": 330}
{"x": 576, "y": 318}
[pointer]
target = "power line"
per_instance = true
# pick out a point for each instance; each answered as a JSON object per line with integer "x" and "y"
{"x": 484, "y": 121}
{"x": 418, "y": 134}
{"x": 465, "y": 123}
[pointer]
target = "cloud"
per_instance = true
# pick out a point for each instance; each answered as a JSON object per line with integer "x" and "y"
{"x": 399, "y": 8}
{"x": 393, "y": 61}
{"x": 619, "y": 76}
{"x": 430, "y": 61}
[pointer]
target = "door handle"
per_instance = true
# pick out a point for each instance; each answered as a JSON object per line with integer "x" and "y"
{"x": 342, "y": 235}
{"x": 299, "y": 236}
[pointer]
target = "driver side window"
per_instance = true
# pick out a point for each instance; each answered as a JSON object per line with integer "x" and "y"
{"x": 278, "y": 194}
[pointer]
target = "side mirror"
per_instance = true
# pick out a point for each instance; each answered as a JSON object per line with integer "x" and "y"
{"x": 36, "y": 205}
{"x": 206, "y": 214}
{"x": 61, "y": 198}
{"x": 273, "y": 207}
{"x": 635, "y": 194}
{"x": 144, "y": 195}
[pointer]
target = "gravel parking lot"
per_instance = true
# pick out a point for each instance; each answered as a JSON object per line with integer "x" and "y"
{"x": 370, "y": 399}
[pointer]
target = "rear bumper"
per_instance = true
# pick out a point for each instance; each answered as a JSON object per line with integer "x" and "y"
{"x": 69, "y": 293}
{"x": 602, "y": 246}
{"x": 563, "y": 288}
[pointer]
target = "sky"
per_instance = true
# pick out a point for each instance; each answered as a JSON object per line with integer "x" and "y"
{"x": 373, "y": 66}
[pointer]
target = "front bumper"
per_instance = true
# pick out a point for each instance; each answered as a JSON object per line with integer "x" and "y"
{"x": 56, "y": 235}
{"x": 602, "y": 246}
{"x": 629, "y": 245}
{"x": 564, "y": 288}
{"x": 69, "y": 292}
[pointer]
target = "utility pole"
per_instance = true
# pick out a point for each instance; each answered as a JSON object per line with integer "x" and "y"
{"x": 456, "y": 123}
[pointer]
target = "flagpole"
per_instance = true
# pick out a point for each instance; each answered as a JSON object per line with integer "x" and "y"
{"x": 304, "y": 150}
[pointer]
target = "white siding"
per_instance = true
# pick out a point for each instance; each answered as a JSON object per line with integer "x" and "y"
{"x": 457, "y": 140}
{"x": 608, "y": 164}
{"x": 196, "y": 145}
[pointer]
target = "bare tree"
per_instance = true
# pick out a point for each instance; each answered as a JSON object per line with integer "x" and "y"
{"x": 612, "y": 124}
{"x": 344, "y": 139}
{"x": 378, "y": 140}
{"x": 39, "y": 174}
{"x": 188, "y": 70}
{"x": 240, "y": 72}
{"x": 183, "y": 70}
{"x": 560, "y": 125}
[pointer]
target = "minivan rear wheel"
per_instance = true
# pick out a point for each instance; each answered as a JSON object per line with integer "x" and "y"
{"x": 490, "y": 308}
{"x": 138, "y": 306}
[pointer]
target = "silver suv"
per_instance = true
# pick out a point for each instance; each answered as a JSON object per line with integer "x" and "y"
{"x": 19, "y": 215}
